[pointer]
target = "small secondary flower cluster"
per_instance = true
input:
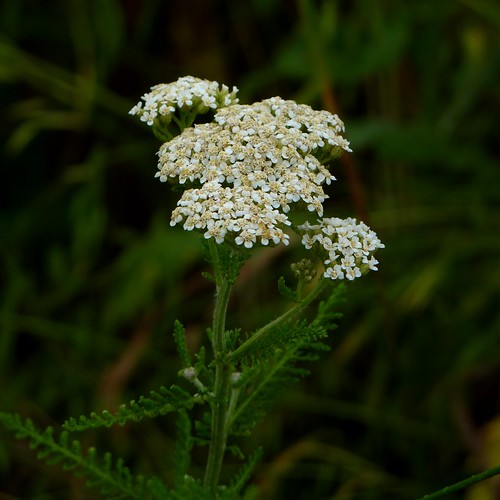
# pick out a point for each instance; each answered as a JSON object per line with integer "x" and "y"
{"x": 246, "y": 170}
{"x": 189, "y": 93}
{"x": 348, "y": 244}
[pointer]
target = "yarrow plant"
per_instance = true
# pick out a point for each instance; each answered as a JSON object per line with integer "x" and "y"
{"x": 250, "y": 177}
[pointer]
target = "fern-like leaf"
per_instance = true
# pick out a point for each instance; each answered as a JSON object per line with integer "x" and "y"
{"x": 231, "y": 259}
{"x": 180, "y": 342}
{"x": 286, "y": 291}
{"x": 239, "y": 480}
{"x": 283, "y": 336}
{"x": 183, "y": 446}
{"x": 271, "y": 373}
{"x": 113, "y": 479}
{"x": 158, "y": 403}
{"x": 273, "y": 361}
{"x": 328, "y": 314}
{"x": 192, "y": 489}
{"x": 287, "y": 334}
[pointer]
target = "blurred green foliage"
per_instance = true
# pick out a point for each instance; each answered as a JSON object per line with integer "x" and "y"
{"x": 93, "y": 277}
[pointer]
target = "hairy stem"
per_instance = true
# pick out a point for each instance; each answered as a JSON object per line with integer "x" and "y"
{"x": 222, "y": 376}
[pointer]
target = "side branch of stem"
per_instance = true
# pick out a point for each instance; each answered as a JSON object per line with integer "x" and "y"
{"x": 265, "y": 330}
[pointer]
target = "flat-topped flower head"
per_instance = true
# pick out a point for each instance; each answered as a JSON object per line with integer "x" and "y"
{"x": 243, "y": 172}
{"x": 292, "y": 124}
{"x": 265, "y": 155}
{"x": 226, "y": 213}
{"x": 181, "y": 101}
{"x": 347, "y": 245}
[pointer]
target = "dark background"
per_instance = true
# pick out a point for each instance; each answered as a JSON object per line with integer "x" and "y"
{"x": 92, "y": 277}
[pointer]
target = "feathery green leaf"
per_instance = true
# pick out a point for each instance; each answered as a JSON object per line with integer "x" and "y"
{"x": 159, "y": 403}
{"x": 267, "y": 378}
{"x": 180, "y": 342}
{"x": 243, "y": 475}
{"x": 112, "y": 479}
{"x": 286, "y": 291}
{"x": 183, "y": 446}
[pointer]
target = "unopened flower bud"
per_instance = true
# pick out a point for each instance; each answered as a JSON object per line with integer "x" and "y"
{"x": 304, "y": 270}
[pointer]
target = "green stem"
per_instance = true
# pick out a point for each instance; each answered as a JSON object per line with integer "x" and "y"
{"x": 299, "y": 307}
{"x": 222, "y": 376}
{"x": 463, "y": 484}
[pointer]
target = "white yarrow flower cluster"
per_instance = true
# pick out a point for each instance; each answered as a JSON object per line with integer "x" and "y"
{"x": 243, "y": 172}
{"x": 189, "y": 93}
{"x": 349, "y": 246}
{"x": 249, "y": 167}
{"x": 218, "y": 210}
